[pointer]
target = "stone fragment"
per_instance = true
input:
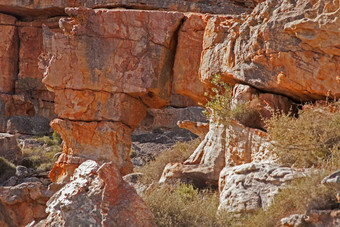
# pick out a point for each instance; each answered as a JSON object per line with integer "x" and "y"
{"x": 198, "y": 128}
{"x": 97, "y": 196}
{"x": 114, "y": 54}
{"x": 99, "y": 106}
{"x": 101, "y": 141}
{"x": 9, "y": 148}
{"x": 283, "y": 48}
{"x": 223, "y": 146}
{"x": 251, "y": 186}
{"x": 9, "y": 48}
{"x": 295, "y": 220}
{"x": 23, "y": 203}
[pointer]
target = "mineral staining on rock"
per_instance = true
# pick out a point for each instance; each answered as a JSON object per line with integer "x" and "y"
{"x": 280, "y": 47}
{"x": 122, "y": 64}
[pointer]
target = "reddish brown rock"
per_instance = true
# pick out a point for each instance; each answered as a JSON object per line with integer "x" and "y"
{"x": 101, "y": 141}
{"x": 99, "y": 106}
{"x": 9, "y": 45}
{"x": 97, "y": 196}
{"x": 281, "y": 48}
{"x": 23, "y": 203}
{"x": 17, "y": 105}
{"x": 114, "y": 54}
{"x": 187, "y": 60}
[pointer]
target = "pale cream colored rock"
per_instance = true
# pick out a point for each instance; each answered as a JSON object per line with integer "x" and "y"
{"x": 230, "y": 145}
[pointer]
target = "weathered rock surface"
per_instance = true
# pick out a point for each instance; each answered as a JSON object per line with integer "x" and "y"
{"x": 97, "y": 196}
{"x": 99, "y": 106}
{"x": 223, "y": 146}
{"x": 283, "y": 47}
{"x": 251, "y": 186}
{"x": 187, "y": 59}
{"x": 9, "y": 45}
{"x": 48, "y": 8}
{"x": 21, "y": 204}
{"x": 9, "y": 148}
{"x": 101, "y": 141}
{"x": 100, "y": 53}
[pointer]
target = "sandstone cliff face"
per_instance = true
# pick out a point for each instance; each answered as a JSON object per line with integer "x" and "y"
{"x": 24, "y": 99}
{"x": 281, "y": 47}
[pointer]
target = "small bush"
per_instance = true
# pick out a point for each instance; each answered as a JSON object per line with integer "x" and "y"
{"x": 312, "y": 139}
{"x": 7, "y": 169}
{"x": 182, "y": 205}
{"x": 178, "y": 153}
{"x": 219, "y": 107}
{"x": 301, "y": 195}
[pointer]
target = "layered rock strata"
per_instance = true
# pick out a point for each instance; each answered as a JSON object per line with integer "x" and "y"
{"x": 285, "y": 48}
{"x": 24, "y": 99}
{"x": 121, "y": 68}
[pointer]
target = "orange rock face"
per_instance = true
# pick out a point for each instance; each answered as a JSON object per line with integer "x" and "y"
{"x": 99, "y": 106}
{"x": 274, "y": 50}
{"x": 9, "y": 53}
{"x": 125, "y": 51}
{"x": 187, "y": 60}
{"x": 101, "y": 141}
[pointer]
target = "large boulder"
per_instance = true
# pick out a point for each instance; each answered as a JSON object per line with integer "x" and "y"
{"x": 97, "y": 196}
{"x": 283, "y": 47}
{"x": 251, "y": 186}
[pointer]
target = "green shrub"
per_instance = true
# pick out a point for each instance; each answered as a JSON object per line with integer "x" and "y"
{"x": 7, "y": 169}
{"x": 219, "y": 107}
{"x": 311, "y": 139}
{"x": 301, "y": 195}
{"x": 178, "y": 153}
{"x": 182, "y": 205}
